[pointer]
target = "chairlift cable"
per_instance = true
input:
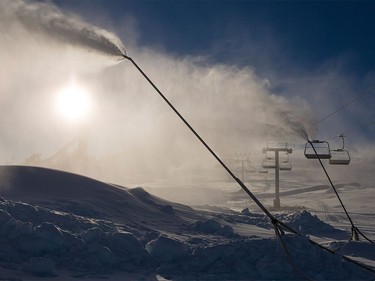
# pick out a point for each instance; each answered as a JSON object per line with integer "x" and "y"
{"x": 369, "y": 90}
{"x": 276, "y": 223}
{"x": 355, "y": 129}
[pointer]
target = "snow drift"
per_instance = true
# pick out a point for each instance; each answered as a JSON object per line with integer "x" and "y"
{"x": 52, "y": 221}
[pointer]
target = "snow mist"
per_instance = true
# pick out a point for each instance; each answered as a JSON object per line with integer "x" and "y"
{"x": 132, "y": 137}
{"x": 47, "y": 19}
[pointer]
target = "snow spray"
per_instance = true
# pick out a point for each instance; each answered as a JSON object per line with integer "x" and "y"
{"x": 295, "y": 124}
{"x": 46, "y": 19}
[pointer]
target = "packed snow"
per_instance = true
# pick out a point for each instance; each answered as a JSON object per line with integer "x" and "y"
{"x": 62, "y": 226}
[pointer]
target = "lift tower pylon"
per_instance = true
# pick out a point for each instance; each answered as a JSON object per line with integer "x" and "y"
{"x": 276, "y": 150}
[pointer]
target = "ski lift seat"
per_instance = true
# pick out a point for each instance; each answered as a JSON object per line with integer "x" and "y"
{"x": 339, "y": 157}
{"x": 268, "y": 164}
{"x": 321, "y": 147}
{"x": 270, "y": 155}
{"x": 285, "y": 166}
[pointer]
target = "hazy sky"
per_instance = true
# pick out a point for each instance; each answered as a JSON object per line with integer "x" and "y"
{"x": 319, "y": 50}
{"x": 242, "y": 72}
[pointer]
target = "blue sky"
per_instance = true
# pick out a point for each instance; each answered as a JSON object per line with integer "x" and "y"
{"x": 303, "y": 33}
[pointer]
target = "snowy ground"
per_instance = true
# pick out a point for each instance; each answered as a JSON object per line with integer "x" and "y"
{"x": 61, "y": 226}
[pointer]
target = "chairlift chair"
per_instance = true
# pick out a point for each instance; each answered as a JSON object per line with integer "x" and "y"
{"x": 268, "y": 163}
{"x": 285, "y": 166}
{"x": 250, "y": 167}
{"x": 340, "y": 156}
{"x": 269, "y": 154}
{"x": 322, "y": 150}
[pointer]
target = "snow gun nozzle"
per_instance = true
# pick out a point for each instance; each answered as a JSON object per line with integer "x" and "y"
{"x": 125, "y": 56}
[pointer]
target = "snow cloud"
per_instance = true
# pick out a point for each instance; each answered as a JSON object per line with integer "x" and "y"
{"x": 46, "y": 19}
{"x": 131, "y": 131}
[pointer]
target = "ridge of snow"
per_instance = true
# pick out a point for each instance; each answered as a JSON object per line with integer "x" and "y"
{"x": 106, "y": 229}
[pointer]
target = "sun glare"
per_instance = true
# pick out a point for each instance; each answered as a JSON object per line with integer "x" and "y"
{"x": 73, "y": 103}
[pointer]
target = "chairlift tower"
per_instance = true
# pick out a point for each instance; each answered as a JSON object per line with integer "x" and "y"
{"x": 276, "y": 165}
{"x": 243, "y": 158}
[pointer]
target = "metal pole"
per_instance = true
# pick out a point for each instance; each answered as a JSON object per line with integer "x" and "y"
{"x": 276, "y": 202}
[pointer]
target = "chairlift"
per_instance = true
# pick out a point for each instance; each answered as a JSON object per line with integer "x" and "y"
{"x": 285, "y": 165}
{"x": 250, "y": 168}
{"x": 269, "y": 154}
{"x": 322, "y": 150}
{"x": 340, "y": 156}
{"x": 268, "y": 163}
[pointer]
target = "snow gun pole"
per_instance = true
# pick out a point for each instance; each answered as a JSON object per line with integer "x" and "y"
{"x": 260, "y": 205}
{"x": 355, "y": 230}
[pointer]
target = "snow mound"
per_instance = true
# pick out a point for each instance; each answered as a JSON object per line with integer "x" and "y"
{"x": 211, "y": 227}
{"x": 51, "y": 221}
{"x": 42, "y": 267}
{"x": 99, "y": 247}
{"x": 166, "y": 250}
{"x": 82, "y": 196}
{"x": 261, "y": 259}
{"x": 306, "y": 223}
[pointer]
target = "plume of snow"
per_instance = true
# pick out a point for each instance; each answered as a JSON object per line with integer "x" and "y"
{"x": 48, "y": 20}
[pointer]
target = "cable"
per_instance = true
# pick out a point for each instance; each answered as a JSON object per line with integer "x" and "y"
{"x": 348, "y": 103}
{"x": 364, "y": 126}
{"x": 350, "y": 131}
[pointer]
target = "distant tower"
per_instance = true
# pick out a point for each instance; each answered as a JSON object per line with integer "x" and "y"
{"x": 276, "y": 166}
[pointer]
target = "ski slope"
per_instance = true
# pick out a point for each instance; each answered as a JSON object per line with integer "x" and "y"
{"x": 61, "y": 226}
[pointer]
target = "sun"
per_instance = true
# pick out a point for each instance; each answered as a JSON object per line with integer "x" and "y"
{"x": 73, "y": 103}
